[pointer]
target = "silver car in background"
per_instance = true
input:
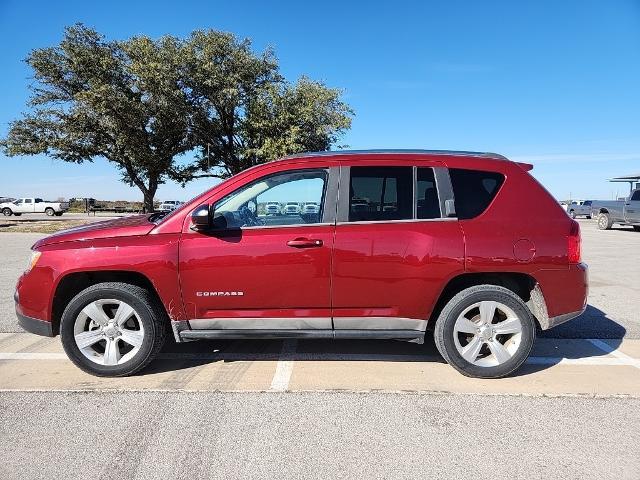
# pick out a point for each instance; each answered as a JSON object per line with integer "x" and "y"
{"x": 577, "y": 208}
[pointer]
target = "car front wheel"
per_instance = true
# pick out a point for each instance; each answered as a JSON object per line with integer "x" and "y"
{"x": 7, "y": 212}
{"x": 113, "y": 329}
{"x": 485, "y": 331}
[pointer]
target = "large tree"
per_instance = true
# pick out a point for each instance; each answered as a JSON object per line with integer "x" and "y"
{"x": 142, "y": 103}
{"x": 246, "y": 113}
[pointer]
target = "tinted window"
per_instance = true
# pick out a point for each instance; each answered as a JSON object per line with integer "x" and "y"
{"x": 474, "y": 190}
{"x": 636, "y": 195}
{"x": 381, "y": 193}
{"x": 28, "y": 200}
{"x": 427, "y": 195}
{"x": 293, "y": 198}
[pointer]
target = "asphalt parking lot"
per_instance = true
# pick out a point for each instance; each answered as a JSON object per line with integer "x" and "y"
{"x": 338, "y": 409}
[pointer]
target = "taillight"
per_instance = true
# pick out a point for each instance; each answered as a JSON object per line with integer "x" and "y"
{"x": 573, "y": 243}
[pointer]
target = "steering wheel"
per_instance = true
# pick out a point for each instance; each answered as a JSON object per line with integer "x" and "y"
{"x": 249, "y": 217}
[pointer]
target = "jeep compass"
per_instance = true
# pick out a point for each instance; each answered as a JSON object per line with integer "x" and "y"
{"x": 402, "y": 244}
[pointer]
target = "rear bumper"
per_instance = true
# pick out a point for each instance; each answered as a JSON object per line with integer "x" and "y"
{"x": 33, "y": 325}
{"x": 563, "y": 293}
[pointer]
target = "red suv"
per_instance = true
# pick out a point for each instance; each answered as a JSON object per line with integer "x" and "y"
{"x": 402, "y": 242}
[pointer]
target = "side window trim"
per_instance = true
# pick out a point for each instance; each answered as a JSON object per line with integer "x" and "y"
{"x": 444, "y": 189}
{"x": 343, "y": 195}
{"x": 331, "y": 194}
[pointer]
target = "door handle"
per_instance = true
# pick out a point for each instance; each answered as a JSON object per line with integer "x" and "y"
{"x": 304, "y": 243}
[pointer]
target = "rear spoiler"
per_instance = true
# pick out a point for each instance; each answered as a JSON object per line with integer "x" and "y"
{"x": 525, "y": 166}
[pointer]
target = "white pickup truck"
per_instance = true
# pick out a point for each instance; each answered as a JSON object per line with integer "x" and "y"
{"x": 33, "y": 205}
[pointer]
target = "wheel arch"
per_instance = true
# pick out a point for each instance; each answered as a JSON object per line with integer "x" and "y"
{"x": 523, "y": 285}
{"x": 73, "y": 283}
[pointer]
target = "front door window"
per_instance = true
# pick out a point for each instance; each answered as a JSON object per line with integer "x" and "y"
{"x": 293, "y": 198}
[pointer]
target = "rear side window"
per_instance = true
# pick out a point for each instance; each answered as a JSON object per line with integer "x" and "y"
{"x": 381, "y": 193}
{"x": 427, "y": 195}
{"x": 474, "y": 190}
{"x": 636, "y": 195}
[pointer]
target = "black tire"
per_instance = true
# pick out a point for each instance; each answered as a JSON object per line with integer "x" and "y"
{"x": 636, "y": 228}
{"x": 604, "y": 221}
{"x": 148, "y": 310}
{"x": 444, "y": 330}
{"x": 7, "y": 212}
{"x": 49, "y": 211}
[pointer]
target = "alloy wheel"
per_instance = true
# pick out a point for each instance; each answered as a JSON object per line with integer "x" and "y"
{"x": 487, "y": 333}
{"x": 108, "y": 332}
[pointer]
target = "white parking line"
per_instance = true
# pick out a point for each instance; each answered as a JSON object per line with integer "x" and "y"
{"x": 605, "y": 347}
{"x": 288, "y": 355}
{"x": 32, "y": 356}
{"x": 284, "y": 368}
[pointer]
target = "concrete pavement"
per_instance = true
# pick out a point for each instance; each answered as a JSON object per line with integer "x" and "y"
{"x": 174, "y": 435}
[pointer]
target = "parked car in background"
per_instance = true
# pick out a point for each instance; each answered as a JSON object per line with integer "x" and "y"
{"x": 456, "y": 257}
{"x": 7, "y": 199}
{"x": 622, "y": 212}
{"x": 577, "y": 208}
{"x": 169, "y": 205}
{"x": 272, "y": 208}
{"x": 311, "y": 207}
{"x": 33, "y": 205}
{"x": 291, "y": 208}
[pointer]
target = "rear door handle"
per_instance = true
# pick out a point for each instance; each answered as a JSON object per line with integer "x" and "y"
{"x": 304, "y": 243}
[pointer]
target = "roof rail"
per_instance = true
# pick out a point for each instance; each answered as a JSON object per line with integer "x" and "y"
{"x": 461, "y": 153}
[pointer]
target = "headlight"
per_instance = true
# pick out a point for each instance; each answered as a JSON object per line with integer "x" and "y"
{"x": 35, "y": 255}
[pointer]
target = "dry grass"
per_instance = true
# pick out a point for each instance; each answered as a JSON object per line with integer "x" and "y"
{"x": 38, "y": 226}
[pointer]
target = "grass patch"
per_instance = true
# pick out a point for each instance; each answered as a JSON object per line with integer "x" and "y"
{"x": 38, "y": 226}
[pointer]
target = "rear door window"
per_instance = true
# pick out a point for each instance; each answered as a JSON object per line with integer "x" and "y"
{"x": 381, "y": 194}
{"x": 474, "y": 190}
{"x": 428, "y": 204}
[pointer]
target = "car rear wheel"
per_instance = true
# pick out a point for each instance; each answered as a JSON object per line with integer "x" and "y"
{"x": 49, "y": 211}
{"x": 7, "y": 212}
{"x": 604, "y": 221}
{"x": 485, "y": 331}
{"x": 113, "y": 329}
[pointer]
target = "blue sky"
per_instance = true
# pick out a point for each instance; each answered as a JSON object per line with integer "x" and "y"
{"x": 556, "y": 84}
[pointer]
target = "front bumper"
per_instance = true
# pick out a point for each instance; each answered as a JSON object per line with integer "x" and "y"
{"x": 33, "y": 325}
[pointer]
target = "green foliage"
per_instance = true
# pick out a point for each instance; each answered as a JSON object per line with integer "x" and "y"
{"x": 142, "y": 103}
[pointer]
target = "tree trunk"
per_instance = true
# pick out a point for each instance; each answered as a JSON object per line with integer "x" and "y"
{"x": 148, "y": 194}
{"x": 148, "y": 201}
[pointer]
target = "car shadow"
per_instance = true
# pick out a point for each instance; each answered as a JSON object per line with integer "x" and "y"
{"x": 593, "y": 323}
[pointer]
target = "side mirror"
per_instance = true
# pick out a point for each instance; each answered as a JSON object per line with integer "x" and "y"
{"x": 201, "y": 218}
{"x": 449, "y": 208}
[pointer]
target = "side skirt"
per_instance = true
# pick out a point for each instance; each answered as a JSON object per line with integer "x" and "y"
{"x": 246, "y": 334}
